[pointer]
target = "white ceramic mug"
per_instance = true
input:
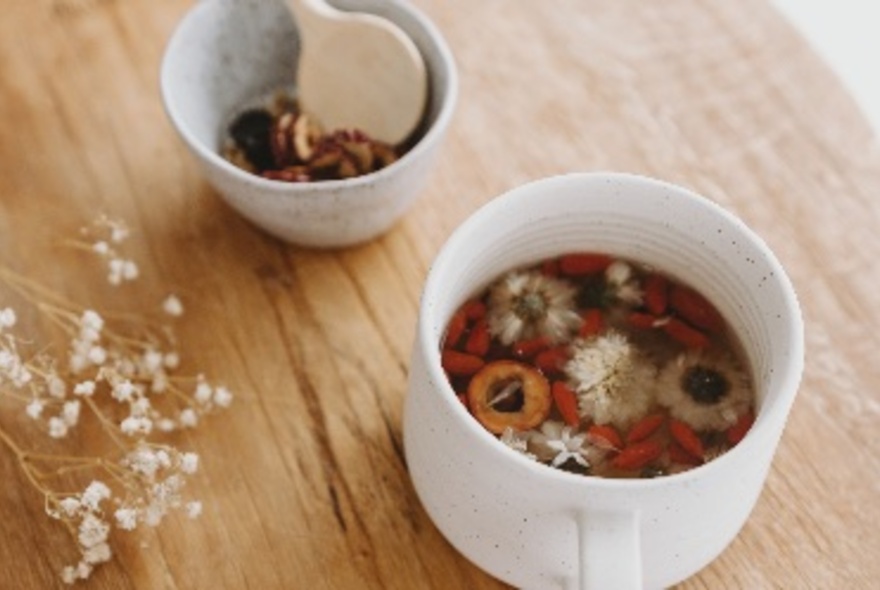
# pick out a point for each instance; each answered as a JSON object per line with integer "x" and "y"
{"x": 538, "y": 527}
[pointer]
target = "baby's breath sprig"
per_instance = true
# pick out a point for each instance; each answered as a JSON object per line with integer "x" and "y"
{"x": 124, "y": 370}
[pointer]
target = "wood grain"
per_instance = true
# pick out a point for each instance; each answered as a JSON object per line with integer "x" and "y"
{"x": 303, "y": 479}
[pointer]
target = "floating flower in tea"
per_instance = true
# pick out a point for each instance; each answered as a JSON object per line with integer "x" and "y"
{"x": 529, "y": 304}
{"x": 705, "y": 388}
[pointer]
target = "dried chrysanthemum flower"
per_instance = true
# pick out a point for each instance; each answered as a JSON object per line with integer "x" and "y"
{"x": 611, "y": 378}
{"x": 705, "y": 388}
{"x": 527, "y": 304}
{"x": 622, "y": 284}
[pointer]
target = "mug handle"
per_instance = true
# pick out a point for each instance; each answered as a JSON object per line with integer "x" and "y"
{"x": 610, "y": 552}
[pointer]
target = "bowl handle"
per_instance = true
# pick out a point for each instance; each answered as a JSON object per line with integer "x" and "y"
{"x": 610, "y": 552}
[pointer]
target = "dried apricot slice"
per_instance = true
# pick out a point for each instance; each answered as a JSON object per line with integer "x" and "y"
{"x": 509, "y": 394}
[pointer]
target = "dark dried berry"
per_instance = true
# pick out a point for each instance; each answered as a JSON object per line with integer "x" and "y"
{"x": 572, "y": 466}
{"x": 704, "y": 385}
{"x": 651, "y": 472}
{"x": 251, "y": 132}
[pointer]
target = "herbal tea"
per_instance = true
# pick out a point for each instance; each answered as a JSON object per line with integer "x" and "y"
{"x": 600, "y": 366}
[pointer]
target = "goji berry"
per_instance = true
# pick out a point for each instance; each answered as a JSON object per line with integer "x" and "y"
{"x": 460, "y": 363}
{"x": 474, "y": 309}
{"x": 550, "y": 267}
{"x": 584, "y": 263}
{"x": 638, "y": 455}
{"x": 643, "y": 321}
{"x": 605, "y": 436}
{"x": 738, "y": 431}
{"x": 656, "y": 293}
{"x": 552, "y": 359}
{"x": 479, "y": 339}
{"x": 644, "y": 428}
{"x": 531, "y": 347}
{"x": 566, "y": 403}
{"x": 678, "y": 455}
{"x": 457, "y": 326}
{"x": 687, "y": 335}
{"x": 592, "y": 324}
{"x": 686, "y": 437}
{"x": 695, "y": 308}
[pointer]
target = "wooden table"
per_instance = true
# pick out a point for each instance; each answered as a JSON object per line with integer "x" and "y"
{"x": 303, "y": 479}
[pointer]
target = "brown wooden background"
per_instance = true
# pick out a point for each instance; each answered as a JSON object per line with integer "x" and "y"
{"x": 303, "y": 479}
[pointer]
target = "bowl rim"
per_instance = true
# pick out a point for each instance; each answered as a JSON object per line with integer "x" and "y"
{"x": 447, "y": 101}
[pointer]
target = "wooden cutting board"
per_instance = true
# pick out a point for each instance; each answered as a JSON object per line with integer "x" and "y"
{"x": 303, "y": 480}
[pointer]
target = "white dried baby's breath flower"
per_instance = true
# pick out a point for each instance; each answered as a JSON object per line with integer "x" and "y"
{"x": 189, "y": 463}
{"x": 70, "y": 412}
{"x": 126, "y": 518}
{"x": 94, "y": 493}
{"x": 34, "y": 409}
{"x": 97, "y": 355}
{"x": 123, "y": 391}
{"x": 172, "y": 306}
{"x": 166, "y": 425}
{"x": 194, "y": 509}
{"x": 222, "y": 397}
{"x": 84, "y": 388}
{"x": 70, "y": 506}
{"x": 171, "y": 360}
{"x": 7, "y": 318}
{"x": 622, "y": 284}
{"x": 56, "y": 386}
{"x": 92, "y": 531}
{"x": 189, "y": 418}
{"x": 136, "y": 426}
{"x": 203, "y": 393}
{"x": 57, "y": 427}
{"x": 100, "y": 553}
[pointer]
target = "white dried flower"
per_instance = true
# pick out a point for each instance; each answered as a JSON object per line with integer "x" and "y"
{"x": 558, "y": 443}
{"x": 189, "y": 463}
{"x": 123, "y": 391}
{"x": 70, "y": 412}
{"x": 136, "y": 426}
{"x": 527, "y": 304}
{"x": 84, "y": 388}
{"x": 100, "y": 553}
{"x": 518, "y": 441}
{"x": 70, "y": 506}
{"x": 203, "y": 392}
{"x": 172, "y": 306}
{"x": 101, "y": 247}
{"x": 94, "y": 493}
{"x": 126, "y": 518}
{"x": 34, "y": 409}
{"x": 622, "y": 284}
{"x": 193, "y": 509}
{"x": 56, "y": 386}
{"x": 222, "y": 397}
{"x": 92, "y": 531}
{"x": 171, "y": 360}
{"x": 707, "y": 389}
{"x": 7, "y": 318}
{"x": 189, "y": 418}
{"x": 97, "y": 355}
{"x": 57, "y": 427}
{"x": 612, "y": 379}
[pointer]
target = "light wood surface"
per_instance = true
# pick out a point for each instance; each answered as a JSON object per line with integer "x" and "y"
{"x": 303, "y": 479}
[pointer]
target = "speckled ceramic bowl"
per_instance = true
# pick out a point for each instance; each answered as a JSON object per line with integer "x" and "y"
{"x": 226, "y": 53}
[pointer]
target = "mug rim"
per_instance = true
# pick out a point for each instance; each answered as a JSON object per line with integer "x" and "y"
{"x": 765, "y": 417}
